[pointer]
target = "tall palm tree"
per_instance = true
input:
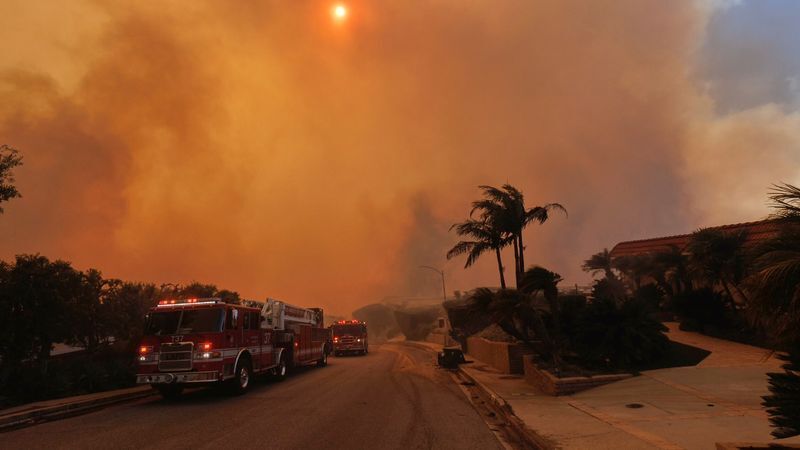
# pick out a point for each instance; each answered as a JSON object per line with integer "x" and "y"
{"x": 484, "y": 237}
{"x": 505, "y": 207}
{"x": 600, "y": 262}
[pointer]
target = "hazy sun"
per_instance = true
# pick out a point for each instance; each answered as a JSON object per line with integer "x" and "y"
{"x": 339, "y": 12}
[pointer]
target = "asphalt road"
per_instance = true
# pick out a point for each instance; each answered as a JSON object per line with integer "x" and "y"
{"x": 392, "y": 398}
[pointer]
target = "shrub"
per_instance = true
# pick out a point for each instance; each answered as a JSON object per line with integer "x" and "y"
{"x": 783, "y": 406}
{"x": 622, "y": 335}
{"x": 700, "y": 309}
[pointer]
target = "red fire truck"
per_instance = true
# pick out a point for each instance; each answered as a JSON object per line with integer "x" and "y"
{"x": 200, "y": 341}
{"x": 350, "y": 336}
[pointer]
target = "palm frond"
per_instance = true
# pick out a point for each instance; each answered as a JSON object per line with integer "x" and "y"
{"x": 785, "y": 198}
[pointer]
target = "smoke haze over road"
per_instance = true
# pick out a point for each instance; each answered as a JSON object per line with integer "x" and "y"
{"x": 259, "y": 146}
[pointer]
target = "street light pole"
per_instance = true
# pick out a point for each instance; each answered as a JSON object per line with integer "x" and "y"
{"x": 444, "y": 296}
{"x": 441, "y": 273}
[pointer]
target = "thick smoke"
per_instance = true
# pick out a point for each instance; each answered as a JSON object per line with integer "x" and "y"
{"x": 260, "y": 146}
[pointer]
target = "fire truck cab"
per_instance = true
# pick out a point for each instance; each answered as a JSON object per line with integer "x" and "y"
{"x": 204, "y": 341}
{"x": 350, "y": 336}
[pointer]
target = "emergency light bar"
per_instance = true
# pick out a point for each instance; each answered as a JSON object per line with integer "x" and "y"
{"x": 188, "y": 301}
{"x": 345, "y": 322}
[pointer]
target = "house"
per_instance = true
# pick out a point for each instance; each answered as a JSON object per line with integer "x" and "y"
{"x": 756, "y": 232}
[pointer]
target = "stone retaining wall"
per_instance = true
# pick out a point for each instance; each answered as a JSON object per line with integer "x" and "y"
{"x": 550, "y": 384}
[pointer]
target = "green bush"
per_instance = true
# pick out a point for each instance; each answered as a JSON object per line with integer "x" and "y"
{"x": 619, "y": 335}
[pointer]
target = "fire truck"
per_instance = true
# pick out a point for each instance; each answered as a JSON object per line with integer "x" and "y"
{"x": 204, "y": 341}
{"x": 350, "y": 336}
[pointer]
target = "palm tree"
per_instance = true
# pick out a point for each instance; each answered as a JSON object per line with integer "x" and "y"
{"x": 634, "y": 268}
{"x": 505, "y": 207}
{"x": 673, "y": 265}
{"x": 775, "y": 282}
{"x": 599, "y": 263}
{"x": 719, "y": 258}
{"x": 484, "y": 237}
{"x": 785, "y": 199}
{"x": 775, "y": 285}
{"x": 538, "y": 279}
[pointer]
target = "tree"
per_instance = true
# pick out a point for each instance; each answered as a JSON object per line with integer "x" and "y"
{"x": 635, "y": 268}
{"x": 37, "y": 295}
{"x": 774, "y": 283}
{"x": 197, "y": 290}
{"x": 785, "y": 200}
{"x": 540, "y": 280}
{"x": 505, "y": 209}
{"x": 126, "y": 304}
{"x": 228, "y": 296}
{"x": 88, "y": 323}
{"x": 672, "y": 264}
{"x": 783, "y": 405}
{"x": 9, "y": 159}
{"x": 599, "y": 263}
{"x": 717, "y": 257}
{"x": 484, "y": 237}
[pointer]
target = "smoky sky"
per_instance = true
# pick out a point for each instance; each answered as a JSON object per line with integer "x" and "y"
{"x": 259, "y": 146}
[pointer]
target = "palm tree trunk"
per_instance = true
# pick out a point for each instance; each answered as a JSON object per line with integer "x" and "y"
{"x": 516, "y": 263}
{"x": 500, "y": 268}
{"x": 521, "y": 254}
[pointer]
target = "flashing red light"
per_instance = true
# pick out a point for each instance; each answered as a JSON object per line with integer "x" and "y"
{"x": 206, "y": 346}
{"x": 143, "y": 350}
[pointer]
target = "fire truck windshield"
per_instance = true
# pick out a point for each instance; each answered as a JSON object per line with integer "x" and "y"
{"x": 183, "y": 322}
{"x": 339, "y": 330}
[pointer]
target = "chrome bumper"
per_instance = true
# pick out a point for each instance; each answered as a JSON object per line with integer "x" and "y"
{"x": 183, "y": 377}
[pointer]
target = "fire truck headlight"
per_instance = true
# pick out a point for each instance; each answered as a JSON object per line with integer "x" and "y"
{"x": 208, "y": 355}
{"x": 358, "y": 340}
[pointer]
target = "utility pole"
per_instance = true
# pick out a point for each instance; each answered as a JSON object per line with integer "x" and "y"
{"x": 441, "y": 273}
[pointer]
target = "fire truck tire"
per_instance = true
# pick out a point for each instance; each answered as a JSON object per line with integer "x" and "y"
{"x": 169, "y": 391}
{"x": 322, "y": 362}
{"x": 244, "y": 376}
{"x": 280, "y": 370}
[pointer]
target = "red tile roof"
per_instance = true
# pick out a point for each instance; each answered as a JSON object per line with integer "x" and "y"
{"x": 756, "y": 231}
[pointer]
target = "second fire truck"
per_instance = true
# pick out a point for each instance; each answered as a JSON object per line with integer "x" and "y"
{"x": 206, "y": 341}
{"x": 350, "y": 336}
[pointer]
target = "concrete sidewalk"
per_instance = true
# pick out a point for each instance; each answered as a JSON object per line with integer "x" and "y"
{"x": 719, "y": 400}
{"x": 32, "y": 413}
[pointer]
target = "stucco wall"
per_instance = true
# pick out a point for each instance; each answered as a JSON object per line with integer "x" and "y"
{"x": 503, "y": 356}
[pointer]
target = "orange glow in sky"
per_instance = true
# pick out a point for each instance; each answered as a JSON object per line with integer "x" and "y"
{"x": 339, "y": 12}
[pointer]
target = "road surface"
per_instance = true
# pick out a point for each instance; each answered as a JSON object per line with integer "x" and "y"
{"x": 392, "y": 398}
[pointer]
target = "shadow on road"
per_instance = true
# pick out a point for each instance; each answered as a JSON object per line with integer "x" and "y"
{"x": 219, "y": 394}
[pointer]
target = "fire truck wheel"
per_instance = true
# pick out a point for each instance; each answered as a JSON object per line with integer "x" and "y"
{"x": 244, "y": 375}
{"x": 280, "y": 371}
{"x": 322, "y": 362}
{"x": 169, "y": 391}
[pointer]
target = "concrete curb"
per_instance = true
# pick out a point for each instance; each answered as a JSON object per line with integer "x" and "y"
{"x": 530, "y": 437}
{"x": 26, "y": 418}
{"x": 524, "y": 433}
